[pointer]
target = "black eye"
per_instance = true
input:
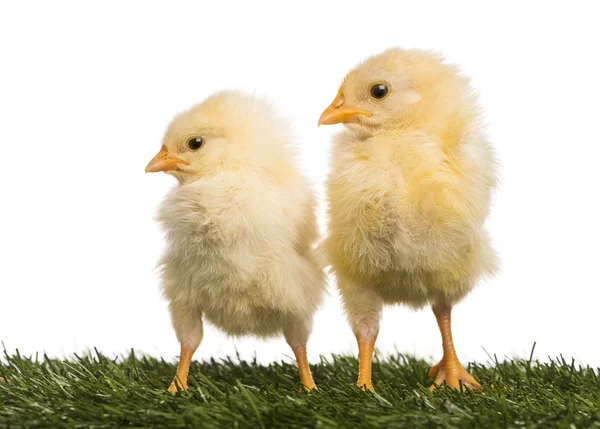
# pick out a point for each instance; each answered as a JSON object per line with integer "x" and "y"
{"x": 379, "y": 91}
{"x": 195, "y": 143}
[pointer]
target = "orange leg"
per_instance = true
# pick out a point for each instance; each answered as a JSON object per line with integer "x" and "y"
{"x": 301, "y": 358}
{"x": 449, "y": 368}
{"x": 183, "y": 369}
{"x": 365, "y": 357}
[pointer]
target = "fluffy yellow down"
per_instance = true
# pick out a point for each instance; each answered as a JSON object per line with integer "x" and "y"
{"x": 240, "y": 226}
{"x": 409, "y": 188}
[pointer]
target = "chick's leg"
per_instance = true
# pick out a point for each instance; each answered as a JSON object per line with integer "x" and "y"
{"x": 302, "y": 359}
{"x": 449, "y": 368}
{"x": 189, "y": 329}
{"x": 296, "y": 334}
{"x": 363, "y": 307}
{"x": 183, "y": 368}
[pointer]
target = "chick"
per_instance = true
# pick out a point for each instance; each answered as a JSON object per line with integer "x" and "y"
{"x": 240, "y": 228}
{"x": 408, "y": 193}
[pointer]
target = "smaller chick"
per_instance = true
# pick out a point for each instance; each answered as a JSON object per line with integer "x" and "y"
{"x": 240, "y": 228}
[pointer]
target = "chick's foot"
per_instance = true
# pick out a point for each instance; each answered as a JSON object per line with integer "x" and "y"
{"x": 449, "y": 369}
{"x": 453, "y": 373}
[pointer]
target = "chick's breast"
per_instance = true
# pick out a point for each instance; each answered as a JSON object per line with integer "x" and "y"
{"x": 239, "y": 250}
{"x": 407, "y": 213}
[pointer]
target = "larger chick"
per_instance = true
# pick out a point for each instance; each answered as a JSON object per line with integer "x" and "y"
{"x": 240, "y": 228}
{"x": 408, "y": 194}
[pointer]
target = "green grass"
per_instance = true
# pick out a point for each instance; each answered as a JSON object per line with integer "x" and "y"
{"x": 96, "y": 392}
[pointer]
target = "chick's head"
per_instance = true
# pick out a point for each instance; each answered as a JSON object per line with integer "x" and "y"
{"x": 225, "y": 132}
{"x": 395, "y": 89}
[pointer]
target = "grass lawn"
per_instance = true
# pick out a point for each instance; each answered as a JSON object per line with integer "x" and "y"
{"x": 96, "y": 392}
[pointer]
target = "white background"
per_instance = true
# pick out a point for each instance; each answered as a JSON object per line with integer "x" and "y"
{"x": 86, "y": 91}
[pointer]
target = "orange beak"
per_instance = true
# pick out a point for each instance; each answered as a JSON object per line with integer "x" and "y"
{"x": 337, "y": 113}
{"x": 163, "y": 162}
